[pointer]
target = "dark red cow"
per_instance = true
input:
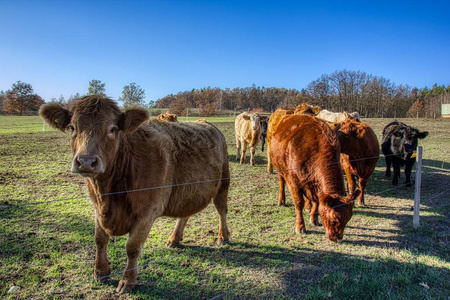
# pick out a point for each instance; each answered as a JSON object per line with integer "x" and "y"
{"x": 305, "y": 152}
{"x": 137, "y": 171}
{"x": 360, "y": 151}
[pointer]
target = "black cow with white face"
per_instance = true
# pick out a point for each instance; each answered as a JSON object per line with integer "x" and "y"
{"x": 399, "y": 148}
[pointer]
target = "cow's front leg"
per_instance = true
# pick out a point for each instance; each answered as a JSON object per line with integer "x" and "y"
{"x": 252, "y": 155}
{"x": 244, "y": 149}
{"x": 135, "y": 242}
{"x": 408, "y": 170}
{"x": 396, "y": 168}
{"x": 388, "y": 166}
{"x": 102, "y": 269}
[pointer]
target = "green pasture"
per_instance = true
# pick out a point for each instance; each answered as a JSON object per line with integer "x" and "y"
{"x": 47, "y": 232}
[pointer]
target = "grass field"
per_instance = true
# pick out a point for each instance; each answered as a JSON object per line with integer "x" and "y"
{"x": 47, "y": 243}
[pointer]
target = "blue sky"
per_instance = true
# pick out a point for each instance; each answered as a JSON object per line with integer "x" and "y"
{"x": 172, "y": 46}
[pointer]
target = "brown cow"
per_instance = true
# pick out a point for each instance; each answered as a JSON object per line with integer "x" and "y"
{"x": 360, "y": 151}
{"x": 247, "y": 128}
{"x": 305, "y": 153}
{"x": 138, "y": 171}
{"x": 275, "y": 118}
{"x": 168, "y": 117}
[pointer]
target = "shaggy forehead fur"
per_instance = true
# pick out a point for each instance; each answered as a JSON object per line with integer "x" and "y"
{"x": 95, "y": 104}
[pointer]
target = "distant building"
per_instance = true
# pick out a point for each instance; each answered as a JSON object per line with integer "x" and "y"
{"x": 445, "y": 110}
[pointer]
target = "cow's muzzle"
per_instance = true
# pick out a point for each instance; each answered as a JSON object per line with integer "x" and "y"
{"x": 87, "y": 165}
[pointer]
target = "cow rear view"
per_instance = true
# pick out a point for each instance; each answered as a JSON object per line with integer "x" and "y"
{"x": 138, "y": 171}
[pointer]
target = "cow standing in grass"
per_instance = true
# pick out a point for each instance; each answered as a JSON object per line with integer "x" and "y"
{"x": 399, "y": 147}
{"x": 248, "y": 133}
{"x": 360, "y": 151}
{"x": 137, "y": 171}
{"x": 305, "y": 152}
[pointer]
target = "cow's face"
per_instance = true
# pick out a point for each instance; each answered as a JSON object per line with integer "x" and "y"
{"x": 405, "y": 139}
{"x": 255, "y": 120}
{"x": 335, "y": 213}
{"x": 96, "y": 126}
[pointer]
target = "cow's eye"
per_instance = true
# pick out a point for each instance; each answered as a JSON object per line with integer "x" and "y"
{"x": 112, "y": 131}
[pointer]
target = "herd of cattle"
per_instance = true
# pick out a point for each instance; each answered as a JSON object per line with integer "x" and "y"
{"x": 138, "y": 170}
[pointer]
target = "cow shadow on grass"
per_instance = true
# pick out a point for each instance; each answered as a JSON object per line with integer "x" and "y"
{"x": 250, "y": 271}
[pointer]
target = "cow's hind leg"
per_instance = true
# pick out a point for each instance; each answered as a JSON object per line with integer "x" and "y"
{"x": 281, "y": 193}
{"x": 221, "y": 204}
{"x": 177, "y": 235}
{"x": 135, "y": 242}
{"x": 362, "y": 187}
{"x": 102, "y": 269}
{"x": 299, "y": 203}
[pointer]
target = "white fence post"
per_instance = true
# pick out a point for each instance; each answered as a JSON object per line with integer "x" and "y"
{"x": 417, "y": 191}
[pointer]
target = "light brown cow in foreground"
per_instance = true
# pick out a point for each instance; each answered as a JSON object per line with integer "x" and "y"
{"x": 247, "y": 128}
{"x": 138, "y": 171}
{"x": 360, "y": 151}
{"x": 167, "y": 117}
{"x": 305, "y": 153}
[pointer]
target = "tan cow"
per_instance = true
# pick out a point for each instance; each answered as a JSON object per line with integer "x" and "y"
{"x": 336, "y": 117}
{"x": 247, "y": 130}
{"x": 137, "y": 171}
{"x": 168, "y": 117}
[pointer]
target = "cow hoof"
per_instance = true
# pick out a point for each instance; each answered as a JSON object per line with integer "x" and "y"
{"x": 172, "y": 244}
{"x": 300, "y": 230}
{"x": 221, "y": 242}
{"x": 361, "y": 204}
{"x": 314, "y": 222}
{"x": 124, "y": 286}
{"x": 102, "y": 276}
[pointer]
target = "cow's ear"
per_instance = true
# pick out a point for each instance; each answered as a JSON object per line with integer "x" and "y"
{"x": 131, "y": 119}
{"x": 422, "y": 135}
{"x": 246, "y": 117}
{"x": 350, "y": 199}
{"x": 55, "y": 115}
{"x": 316, "y": 110}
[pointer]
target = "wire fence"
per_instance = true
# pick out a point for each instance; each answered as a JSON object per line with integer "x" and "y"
{"x": 236, "y": 239}
{"x": 27, "y": 202}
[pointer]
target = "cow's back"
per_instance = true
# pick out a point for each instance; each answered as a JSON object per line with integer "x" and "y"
{"x": 308, "y": 148}
{"x": 188, "y": 160}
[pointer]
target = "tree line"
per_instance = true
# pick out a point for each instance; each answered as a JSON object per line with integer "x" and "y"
{"x": 371, "y": 96}
{"x": 345, "y": 90}
{"x": 21, "y": 99}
